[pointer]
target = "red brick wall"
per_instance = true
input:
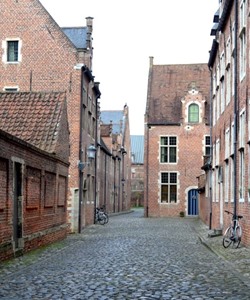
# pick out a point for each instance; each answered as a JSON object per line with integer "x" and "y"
{"x": 226, "y": 118}
{"x": 47, "y": 64}
{"x": 43, "y": 222}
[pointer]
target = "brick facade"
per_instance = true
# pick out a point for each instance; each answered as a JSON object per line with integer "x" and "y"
{"x": 228, "y": 61}
{"x": 39, "y": 197}
{"x": 171, "y": 90}
{"x": 48, "y": 60}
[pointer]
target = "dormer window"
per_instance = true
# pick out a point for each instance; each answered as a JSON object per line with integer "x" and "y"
{"x": 193, "y": 113}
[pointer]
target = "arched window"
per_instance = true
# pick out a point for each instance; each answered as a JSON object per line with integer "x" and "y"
{"x": 193, "y": 113}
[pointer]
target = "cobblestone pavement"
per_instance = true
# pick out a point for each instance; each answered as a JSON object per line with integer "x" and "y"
{"x": 131, "y": 258}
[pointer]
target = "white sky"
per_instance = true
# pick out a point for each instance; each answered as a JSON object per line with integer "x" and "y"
{"x": 127, "y": 32}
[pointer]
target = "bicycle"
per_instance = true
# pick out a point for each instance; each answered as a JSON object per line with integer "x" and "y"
{"x": 101, "y": 216}
{"x": 233, "y": 233}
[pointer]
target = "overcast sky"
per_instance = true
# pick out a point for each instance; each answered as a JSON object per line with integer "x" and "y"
{"x": 127, "y": 32}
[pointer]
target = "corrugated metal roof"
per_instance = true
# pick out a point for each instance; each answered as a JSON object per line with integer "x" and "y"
{"x": 77, "y": 35}
{"x": 137, "y": 149}
{"x": 116, "y": 117}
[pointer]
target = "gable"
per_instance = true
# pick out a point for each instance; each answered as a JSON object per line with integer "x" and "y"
{"x": 169, "y": 84}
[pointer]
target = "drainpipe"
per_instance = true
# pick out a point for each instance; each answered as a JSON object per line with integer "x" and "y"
{"x": 211, "y": 149}
{"x": 97, "y": 112}
{"x": 80, "y": 159}
{"x": 235, "y": 105}
{"x": 147, "y": 174}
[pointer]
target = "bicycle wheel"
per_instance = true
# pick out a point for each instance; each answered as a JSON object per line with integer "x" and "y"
{"x": 237, "y": 237}
{"x": 101, "y": 218}
{"x": 227, "y": 237}
{"x": 106, "y": 218}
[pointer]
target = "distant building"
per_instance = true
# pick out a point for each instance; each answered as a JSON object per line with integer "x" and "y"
{"x": 114, "y": 187}
{"x": 176, "y": 137}
{"x": 137, "y": 170}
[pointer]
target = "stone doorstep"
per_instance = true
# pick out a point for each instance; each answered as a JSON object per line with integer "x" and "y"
{"x": 214, "y": 233}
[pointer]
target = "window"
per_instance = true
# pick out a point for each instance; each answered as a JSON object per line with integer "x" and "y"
{"x": 228, "y": 53}
{"x": 12, "y": 51}
{"x": 227, "y": 143}
{"x": 207, "y": 145}
{"x": 242, "y": 175}
{"x": 242, "y": 124}
{"x": 168, "y": 149}
{"x": 193, "y": 113}
{"x": 242, "y": 55}
{"x": 226, "y": 182}
{"x": 228, "y": 87}
{"x": 243, "y": 15}
{"x": 169, "y": 187}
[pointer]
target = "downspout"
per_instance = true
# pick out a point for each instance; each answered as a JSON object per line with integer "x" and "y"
{"x": 147, "y": 167}
{"x": 96, "y": 146}
{"x": 114, "y": 183}
{"x": 80, "y": 159}
{"x": 211, "y": 149}
{"x": 235, "y": 107}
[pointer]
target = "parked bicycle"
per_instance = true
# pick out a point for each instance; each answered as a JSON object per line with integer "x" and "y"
{"x": 233, "y": 233}
{"x": 101, "y": 216}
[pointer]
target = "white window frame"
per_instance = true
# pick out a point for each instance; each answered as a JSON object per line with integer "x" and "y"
{"x": 242, "y": 129}
{"x": 227, "y": 143}
{"x": 226, "y": 181}
{"x": 243, "y": 51}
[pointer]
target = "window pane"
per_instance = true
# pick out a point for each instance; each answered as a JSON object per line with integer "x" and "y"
{"x": 164, "y": 177}
{"x": 164, "y": 154}
{"x": 173, "y": 197}
{"x": 164, "y": 140}
{"x": 173, "y": 177}
{"x": 164, "y": 193}
{"x": 12, "y": 51}
{"x": 172, "y": 140}
{"x": 193, "y": 113}
{"x": 172, "y": 154}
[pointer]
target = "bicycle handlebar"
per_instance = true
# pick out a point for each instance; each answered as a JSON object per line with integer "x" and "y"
{"x": 229, "y": 212}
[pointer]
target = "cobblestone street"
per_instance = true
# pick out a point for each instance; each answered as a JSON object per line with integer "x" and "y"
{"x": 129, "y": 258}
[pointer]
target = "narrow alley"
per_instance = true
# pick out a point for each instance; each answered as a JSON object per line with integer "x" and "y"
{"x": 131, "y": 257}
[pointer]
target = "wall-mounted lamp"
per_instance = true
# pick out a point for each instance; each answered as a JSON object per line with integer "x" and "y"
{"x": 90, "y": 154}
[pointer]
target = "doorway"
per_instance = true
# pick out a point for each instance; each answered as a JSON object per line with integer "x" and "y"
{"x": 17, "y": 206}
{"x": 193, "y": 209}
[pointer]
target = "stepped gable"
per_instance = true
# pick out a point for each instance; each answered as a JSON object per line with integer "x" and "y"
{"x": 33, "y": 117}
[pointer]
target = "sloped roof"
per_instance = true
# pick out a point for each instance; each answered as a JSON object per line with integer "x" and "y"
{"x": 116, "y": 117}
{"x": 77, "y": 35}
{"x": 137, "y": 149}
{"x": 33, "y": 117}
{"x": 168, "y": 84}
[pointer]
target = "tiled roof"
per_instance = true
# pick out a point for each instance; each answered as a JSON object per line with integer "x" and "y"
{"x": 137, "y": 149}
{"x": 77, "y": 35}
{"x": 32, "y": 117}
{"x": 168, "y": 84}
{"x": 116, "y": 117}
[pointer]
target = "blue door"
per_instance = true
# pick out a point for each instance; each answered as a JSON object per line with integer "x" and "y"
{"x": 193, "y": 209}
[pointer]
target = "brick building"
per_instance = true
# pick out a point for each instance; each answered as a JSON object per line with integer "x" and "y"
{"x": 137, "y": 170}
{"x": 34, "y": 162}
{"x": 227, "y": 173}
{"x": 115, "y": 161}
{"x": 37, "y": 55}
{"x": 176, "y": 137}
